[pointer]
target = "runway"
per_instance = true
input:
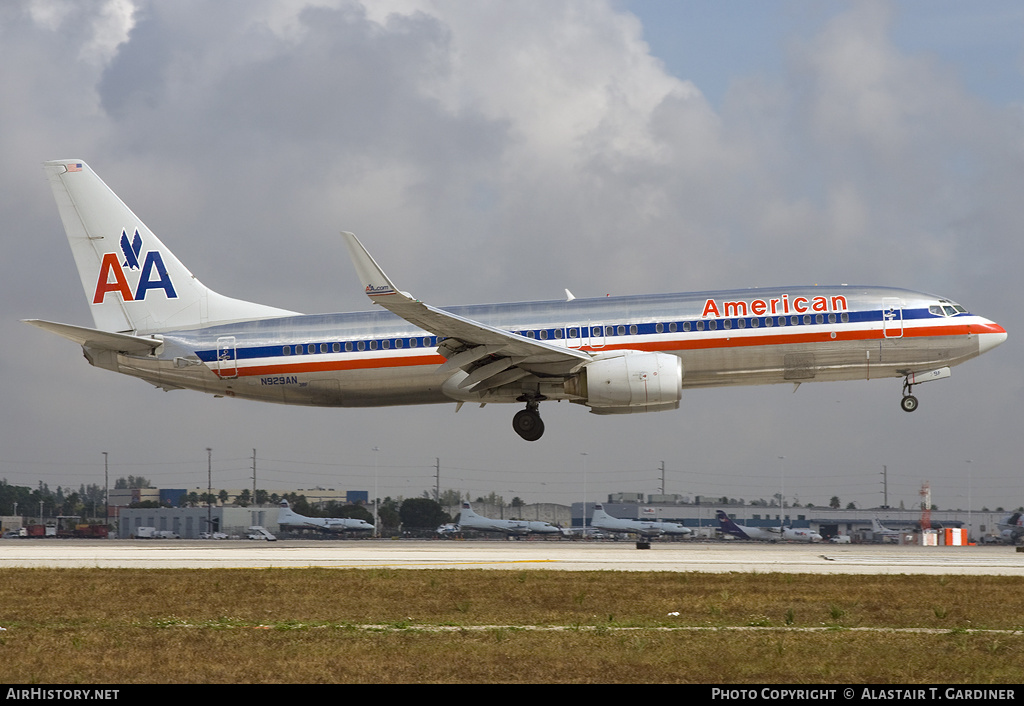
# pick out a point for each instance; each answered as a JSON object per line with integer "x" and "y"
{"x": 718, "y": 557}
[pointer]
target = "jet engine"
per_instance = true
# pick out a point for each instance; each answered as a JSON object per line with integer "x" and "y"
{"x": 626, "y": 382}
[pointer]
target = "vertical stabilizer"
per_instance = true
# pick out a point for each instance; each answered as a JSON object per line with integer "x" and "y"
{"x": 132, "y": 281}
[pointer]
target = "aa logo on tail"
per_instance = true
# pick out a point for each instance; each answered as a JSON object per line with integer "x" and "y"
{"x": 152, "y": 272}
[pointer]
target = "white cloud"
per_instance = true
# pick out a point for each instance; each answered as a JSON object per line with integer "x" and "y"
{"x": 494, "y": 151}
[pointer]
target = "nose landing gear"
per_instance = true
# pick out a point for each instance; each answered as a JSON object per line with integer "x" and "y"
{"x": 527, "y": 422}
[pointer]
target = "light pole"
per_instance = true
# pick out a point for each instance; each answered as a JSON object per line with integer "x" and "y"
{"x": 106, "y": 490}
{"x": 584, "y": 455}
{"x": 209, "y": 490}
{"x": 376, "y": 500}
{"x": 782, "y": 491}
{"x": 970, "y": 526}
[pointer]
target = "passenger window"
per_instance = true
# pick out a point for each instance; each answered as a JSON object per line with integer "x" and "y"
{"x": 819, "y": 318}
{"x": 348, "y": 346}
{"x": 544, "y": 334}
{"x": 632, "y": 329}
{"x": 660, "y": 328}
{"x": 622, "y": 330}
{"x": 846, "y": 318}
{"x": 399, "y": 343}
{"x": 672, "y": 327}
{"x": 361, "y": 345}
{"x": 686, "y": 326}
{"x": 385, "y": 344}
{"x": 727, "y": 324}
{"x": 287, "y": 350}
{"x": 754, "y": 323}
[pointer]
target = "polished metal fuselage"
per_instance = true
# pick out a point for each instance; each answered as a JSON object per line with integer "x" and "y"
{"x": 736, "y": 337}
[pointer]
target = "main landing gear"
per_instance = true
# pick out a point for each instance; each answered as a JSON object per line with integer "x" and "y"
{"x": 909, "y": 402}
{"x": 527, "y": 422}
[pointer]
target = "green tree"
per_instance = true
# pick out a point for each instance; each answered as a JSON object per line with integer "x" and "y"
{"x": 451, "y": 497}
{"x": 422, "y": 513}
{"x": 387, "y": 514}
{"x": 132, "y": 482}
{"x": 834, "y": 502}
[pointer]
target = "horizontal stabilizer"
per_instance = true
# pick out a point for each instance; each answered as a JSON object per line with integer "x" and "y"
{"x": 103, "y": 340}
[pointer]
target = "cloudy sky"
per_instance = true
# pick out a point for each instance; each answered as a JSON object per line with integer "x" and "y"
{"x": 504, "y": 151}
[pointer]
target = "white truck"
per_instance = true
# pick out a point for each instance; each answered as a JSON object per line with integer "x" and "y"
{"x": 154, "y": 533}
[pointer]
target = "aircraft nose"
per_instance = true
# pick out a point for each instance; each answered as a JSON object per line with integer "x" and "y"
{"x": 992, "y": 336}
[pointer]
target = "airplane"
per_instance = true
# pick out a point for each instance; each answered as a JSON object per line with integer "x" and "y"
{"x": 1011, "y": 527}
{"x": 887, "y": 535}
{"x": 289, "y": 518}
{"x": 645, "y": 528}
{"x": 469, "y": 520}
{"x": 615, "y": 355}
{"x": 770, "y": 534}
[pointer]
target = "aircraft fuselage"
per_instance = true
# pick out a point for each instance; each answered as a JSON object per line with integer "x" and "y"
{"x": 770, "y": 336}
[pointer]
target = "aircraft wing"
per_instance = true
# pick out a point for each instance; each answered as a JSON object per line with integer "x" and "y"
{"x": 505, "y": 356}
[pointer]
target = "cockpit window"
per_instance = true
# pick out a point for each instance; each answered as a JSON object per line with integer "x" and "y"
{"x": 946, "y": 308}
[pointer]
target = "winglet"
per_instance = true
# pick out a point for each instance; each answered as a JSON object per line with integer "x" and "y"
{"x": 369, "y": 272}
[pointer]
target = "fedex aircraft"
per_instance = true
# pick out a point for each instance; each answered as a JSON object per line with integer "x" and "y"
{"x": 766, "y": 534}
{"x": 615, "y": 355}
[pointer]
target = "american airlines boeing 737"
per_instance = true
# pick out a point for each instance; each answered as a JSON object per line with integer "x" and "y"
{"x": 615, "y": 355}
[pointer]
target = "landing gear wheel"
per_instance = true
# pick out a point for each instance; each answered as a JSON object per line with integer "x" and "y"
{"x": 528, "y": 424}
{"x": 908, "y": 403}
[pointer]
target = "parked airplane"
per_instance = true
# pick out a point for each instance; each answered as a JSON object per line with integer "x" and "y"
{"x": 645, "y": 528}
{"x": 770, "y": 534}
{"x": 887, "y": 535}
{"x": 616, "y": 355}
{"x": 1011, "y": 527}
{"x": 469, "y": 520}
{"x": 289, "y": 518}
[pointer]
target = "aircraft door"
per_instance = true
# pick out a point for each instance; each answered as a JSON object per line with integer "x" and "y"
{"x": 227, "y": 365}
{"x": 577, "y": 336}
{"x": 892, "y": 317}
{"x": 596, "y": 336}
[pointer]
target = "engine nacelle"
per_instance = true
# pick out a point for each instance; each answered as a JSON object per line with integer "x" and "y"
{"x": 629, "y": 381}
